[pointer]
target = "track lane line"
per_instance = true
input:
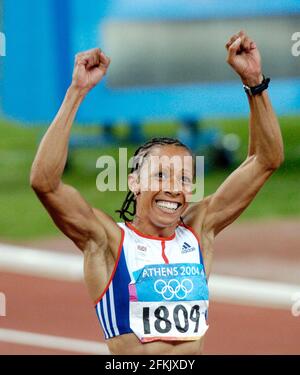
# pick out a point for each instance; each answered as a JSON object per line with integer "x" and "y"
{"x": 52, "y": 342}
{"x": 69, "y": 267}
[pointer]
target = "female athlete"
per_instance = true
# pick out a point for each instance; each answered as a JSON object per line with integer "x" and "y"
{"x": 148, "y": 275}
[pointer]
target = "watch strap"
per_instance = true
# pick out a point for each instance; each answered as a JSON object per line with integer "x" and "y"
{"x": 254, "y": 90}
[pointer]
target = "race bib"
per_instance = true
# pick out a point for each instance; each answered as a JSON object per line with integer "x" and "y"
{"x": 169, "y": 302}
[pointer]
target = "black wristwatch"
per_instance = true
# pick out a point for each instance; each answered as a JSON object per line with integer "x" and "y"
{"x": 251, "y": 91}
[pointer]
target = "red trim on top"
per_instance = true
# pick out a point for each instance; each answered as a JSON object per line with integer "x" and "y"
{"x": 163, "y": 246}
{"x": 149, "y": 236}
{"x": 115, "y": 267}
{"x": 194, "y": 233}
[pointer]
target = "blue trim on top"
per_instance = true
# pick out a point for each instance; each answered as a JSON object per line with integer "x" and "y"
{"x": 201, "y": 256}
{"x": 109, "y": 312}
{"x": 202, "y": 262}
{"x": 103, "y": 328}
{"x": 121, "y": 281}
{"x": 103, "y": 319}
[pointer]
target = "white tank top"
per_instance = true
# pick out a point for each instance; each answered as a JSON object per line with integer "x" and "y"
{"x": 158, "y": 289}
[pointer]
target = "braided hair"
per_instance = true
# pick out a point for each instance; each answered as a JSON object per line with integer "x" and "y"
{"x": 139, "y": 154}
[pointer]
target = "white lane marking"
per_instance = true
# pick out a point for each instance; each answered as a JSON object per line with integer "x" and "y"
{"x": 33, "y": 262}
{"x": 52, "y": 342}
{"x": 253, "y": 292}
{"x": 69, "y": 267}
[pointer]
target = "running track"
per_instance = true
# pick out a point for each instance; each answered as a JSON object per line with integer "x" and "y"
{"x": 52, "y": 309}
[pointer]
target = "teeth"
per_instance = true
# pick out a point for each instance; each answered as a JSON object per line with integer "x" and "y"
{"x": 169, "y": 205}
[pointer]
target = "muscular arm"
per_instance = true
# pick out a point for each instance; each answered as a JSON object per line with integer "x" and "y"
{"x": 264, "y": 157}
{"x": 265, "y": 154}
{"x": 70, "y": 212}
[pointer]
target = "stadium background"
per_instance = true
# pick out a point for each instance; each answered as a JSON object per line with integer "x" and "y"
{"x": 168, "y": 77}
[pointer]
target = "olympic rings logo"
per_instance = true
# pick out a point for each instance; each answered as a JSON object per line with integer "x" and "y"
{"x": 173, "y": 288}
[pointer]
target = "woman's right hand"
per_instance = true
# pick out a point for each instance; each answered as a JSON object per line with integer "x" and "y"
{"x": 90, "y": 67}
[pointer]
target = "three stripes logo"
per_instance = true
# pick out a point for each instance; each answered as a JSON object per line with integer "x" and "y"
{"x": 187, "y": 248}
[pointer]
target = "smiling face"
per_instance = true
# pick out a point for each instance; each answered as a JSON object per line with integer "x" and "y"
{"x": 163, "y": 185}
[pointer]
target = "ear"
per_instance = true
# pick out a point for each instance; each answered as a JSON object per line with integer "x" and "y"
{"x": 133, "y": 183}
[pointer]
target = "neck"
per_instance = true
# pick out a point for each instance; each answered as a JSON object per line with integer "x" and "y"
{"x": 151, "y": 229}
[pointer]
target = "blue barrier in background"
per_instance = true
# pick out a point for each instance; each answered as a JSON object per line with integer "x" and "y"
{"x": 43, "y": 37}
{"x": 30, "y": 84}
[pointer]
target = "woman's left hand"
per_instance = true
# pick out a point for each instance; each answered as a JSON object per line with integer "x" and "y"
{"x": 244, "y": 58}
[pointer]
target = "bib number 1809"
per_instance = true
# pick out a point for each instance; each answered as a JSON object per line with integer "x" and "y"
{"x": 180, "y": 318}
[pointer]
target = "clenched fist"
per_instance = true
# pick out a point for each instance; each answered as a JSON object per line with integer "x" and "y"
{"x": 90, "y": 67}
{"x": 244, "y": 58}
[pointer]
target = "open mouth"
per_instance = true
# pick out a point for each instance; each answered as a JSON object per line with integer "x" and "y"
{"x": 168, "y": 206}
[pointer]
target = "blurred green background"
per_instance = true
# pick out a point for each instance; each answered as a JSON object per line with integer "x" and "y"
{"x": 23, "y": 217}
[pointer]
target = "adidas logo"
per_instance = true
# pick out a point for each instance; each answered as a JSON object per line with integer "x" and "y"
{"x": 186, "y": 248}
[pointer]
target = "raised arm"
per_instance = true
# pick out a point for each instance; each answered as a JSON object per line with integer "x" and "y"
{"x": 265, "y": 152}
{"x": 71, "y": 213}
